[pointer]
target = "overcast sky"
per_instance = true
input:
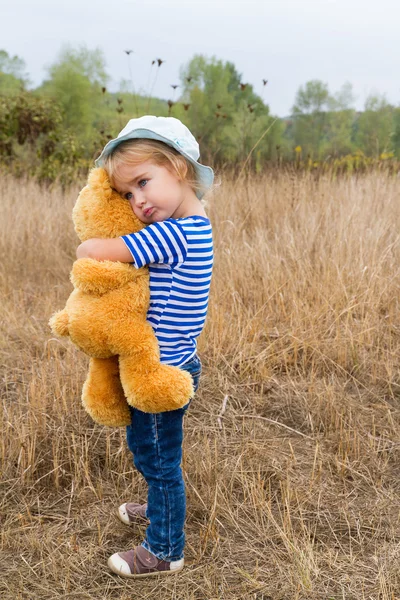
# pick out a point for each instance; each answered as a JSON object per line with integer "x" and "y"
{"x": 287, "y": 42}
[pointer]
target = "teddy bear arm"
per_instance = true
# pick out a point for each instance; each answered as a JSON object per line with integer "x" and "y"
{"x": 147, "y": 384}
{"x": 59, "y": 323}
{"x": 154, "y": 387}
{"x": 99, "y": 277}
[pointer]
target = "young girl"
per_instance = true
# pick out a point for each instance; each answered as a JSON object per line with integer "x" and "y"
{"x": 153, "y": 163}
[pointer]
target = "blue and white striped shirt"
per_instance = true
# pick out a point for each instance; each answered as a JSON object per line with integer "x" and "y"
{"x": 179, "y": 253}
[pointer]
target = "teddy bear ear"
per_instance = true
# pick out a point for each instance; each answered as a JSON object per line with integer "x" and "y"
{"x": 99, "y": 182}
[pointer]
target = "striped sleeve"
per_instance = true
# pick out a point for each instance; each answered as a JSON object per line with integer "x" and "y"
{"x": 162, "y": 242}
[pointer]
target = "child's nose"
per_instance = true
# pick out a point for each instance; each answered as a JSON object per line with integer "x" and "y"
{"x": 139, "y": 200}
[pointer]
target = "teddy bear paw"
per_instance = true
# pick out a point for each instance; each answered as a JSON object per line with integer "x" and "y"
{"x": 163, "y": 389}
{"x": 59, "y": 323}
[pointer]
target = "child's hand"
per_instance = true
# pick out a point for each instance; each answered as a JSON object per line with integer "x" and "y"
{"x": 83, "y": 250}
{"x": 108, "y": 249}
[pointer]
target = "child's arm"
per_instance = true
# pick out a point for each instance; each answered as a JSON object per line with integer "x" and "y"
{"x": 113, "y": 249}
{"x": 161, "y": 242}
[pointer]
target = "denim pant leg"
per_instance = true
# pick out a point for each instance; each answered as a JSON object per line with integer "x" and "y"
{"x": 156, "y": 443}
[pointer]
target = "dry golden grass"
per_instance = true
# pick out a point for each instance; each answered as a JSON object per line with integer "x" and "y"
{"x": 293, "y": 489}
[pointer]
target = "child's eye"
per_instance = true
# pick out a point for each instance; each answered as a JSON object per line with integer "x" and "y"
{"x": 141, "y": 181}
{"x": 128, "y": 196}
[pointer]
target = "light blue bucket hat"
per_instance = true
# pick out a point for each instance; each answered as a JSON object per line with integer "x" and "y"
{"x": 169, "y": 130}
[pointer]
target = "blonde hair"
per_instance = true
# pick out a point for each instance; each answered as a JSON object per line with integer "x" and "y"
{"x": 136, "y": 151}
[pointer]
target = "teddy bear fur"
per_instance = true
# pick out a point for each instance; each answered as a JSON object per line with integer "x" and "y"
{"x": 105, "y": 316}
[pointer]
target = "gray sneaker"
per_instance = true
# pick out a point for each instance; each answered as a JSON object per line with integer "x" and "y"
{"x": 131, "y": 512}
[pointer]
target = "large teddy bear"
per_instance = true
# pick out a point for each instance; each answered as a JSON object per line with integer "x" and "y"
{"x": 105, "y": 316}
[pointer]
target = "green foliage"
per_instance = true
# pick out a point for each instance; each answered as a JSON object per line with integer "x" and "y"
{"x": 33, "y": 141}
{"x": 375, "y": 127}
{"x": 225, "y": 115}
{"x": 312, "y": 98}
{"x": 355, "y": 162}
{"x": 310, "y": 117}
{"x": 75, "y": 83}
{"x": 12, "y": 74}
{"x": 326, "y": 126}
{"x": 88, "y": 63}
{"x": 340, "y": 122}
{"x": 23, "y": 119}
{"x": 12, "y": 65}
{"x": 396, "y": 132}
{"x": 58, "y": 129}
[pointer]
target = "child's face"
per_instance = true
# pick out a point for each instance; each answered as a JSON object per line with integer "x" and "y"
{"x": 154, "y": 193}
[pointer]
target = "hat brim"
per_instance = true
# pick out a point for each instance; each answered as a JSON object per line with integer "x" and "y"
{"x": 205, "y": 175}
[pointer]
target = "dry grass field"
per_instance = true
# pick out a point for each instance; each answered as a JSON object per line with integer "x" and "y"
{"x": 291, "y": 453}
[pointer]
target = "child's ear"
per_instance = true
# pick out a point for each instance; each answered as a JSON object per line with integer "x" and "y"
{"x": 182, "y": 171}
{"x": 175, "y": 172}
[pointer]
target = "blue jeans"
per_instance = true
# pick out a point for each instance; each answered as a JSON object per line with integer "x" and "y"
{"x": 156, "y": 443}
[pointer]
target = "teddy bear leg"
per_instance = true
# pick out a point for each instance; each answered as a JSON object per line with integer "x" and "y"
{"x": 59, "y": 323}
{"x": 155, "y": 387}
{"x": 102, "y": 395}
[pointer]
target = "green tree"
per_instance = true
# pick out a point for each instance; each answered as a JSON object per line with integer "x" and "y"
{"x": 343, "y": 99}
{"x": 312, "y": 98}
{"x": 75, "y": 82}
{"x": 375, "y": 126}
{"x": 339, "y": 122}
{"x": 396, "y": 132}
{"x": 310, "y": 117}
{"x": 225, "y": 114}
{"x": 13, "y": 76}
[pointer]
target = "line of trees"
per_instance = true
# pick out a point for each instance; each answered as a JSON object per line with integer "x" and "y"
{"x": 60, "y": 126}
